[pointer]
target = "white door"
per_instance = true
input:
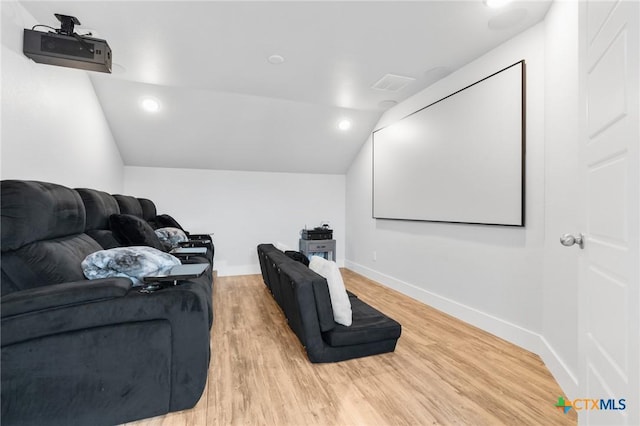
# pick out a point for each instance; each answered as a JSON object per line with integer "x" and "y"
{"x": 609, "y": 296}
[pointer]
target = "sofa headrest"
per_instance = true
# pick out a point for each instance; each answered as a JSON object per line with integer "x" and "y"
{"x": 34, "y": 211}
{"x": 129, "y": 205}
{"x": 99, "y": 206}
{"x": 149, "y": 211}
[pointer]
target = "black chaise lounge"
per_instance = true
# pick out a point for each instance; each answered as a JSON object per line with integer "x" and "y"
{"x": 304, "y": 299}
{"x": 81, "y": 352}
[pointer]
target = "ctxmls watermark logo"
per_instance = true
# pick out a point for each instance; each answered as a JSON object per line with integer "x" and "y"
{"x": 580, "y": 404}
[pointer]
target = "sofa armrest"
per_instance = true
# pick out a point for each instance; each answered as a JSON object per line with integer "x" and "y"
{"x": 182, "y": 308}
{"x": 65, "y": 294}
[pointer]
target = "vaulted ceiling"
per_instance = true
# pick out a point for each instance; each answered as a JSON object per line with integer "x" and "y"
{"x": 224, "y": 105}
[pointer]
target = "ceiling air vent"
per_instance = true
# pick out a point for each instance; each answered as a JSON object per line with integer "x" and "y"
{"x": 392, "y": 83}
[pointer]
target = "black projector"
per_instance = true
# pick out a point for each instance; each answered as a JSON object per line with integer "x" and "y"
{"x": 91, "y": 54}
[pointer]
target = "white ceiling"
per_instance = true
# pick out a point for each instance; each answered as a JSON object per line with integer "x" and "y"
{"x": 224, "y": 106}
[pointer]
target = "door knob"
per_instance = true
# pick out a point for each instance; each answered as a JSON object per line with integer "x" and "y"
{"x": 569, "y": 240}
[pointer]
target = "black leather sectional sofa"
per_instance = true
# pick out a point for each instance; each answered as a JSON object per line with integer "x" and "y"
{"x": 304, "y": 298}
{"x": 89, "y": 352}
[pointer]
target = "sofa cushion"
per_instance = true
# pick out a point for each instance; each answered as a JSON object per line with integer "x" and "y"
{"x": 369, "y": 325}
{"x": 46, "y": 262}
{"x": 134, "y": 262}
{"x": 339, "y": 298}
{"x": 35, "y": 211}
{"x": 149, "y": 211}
{"x": 104, "y": 237}
{"x": 321, "y": 295}
{"x": 129, "y": 205}
{"x": 171, "y": 237}
{"x": 133, "y": 231}
{"x": 99, "y": 206}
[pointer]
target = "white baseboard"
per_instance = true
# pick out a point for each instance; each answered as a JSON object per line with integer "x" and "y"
{"x": 565, "y": 378}
{"x": 513, "y": 333}
{"x": 226, "y": 270}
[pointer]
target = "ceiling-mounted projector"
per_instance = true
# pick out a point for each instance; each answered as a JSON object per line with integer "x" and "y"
{"x": 66, "y": 48}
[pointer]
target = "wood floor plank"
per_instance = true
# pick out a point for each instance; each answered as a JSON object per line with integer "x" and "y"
{"x": 443, "y": 372}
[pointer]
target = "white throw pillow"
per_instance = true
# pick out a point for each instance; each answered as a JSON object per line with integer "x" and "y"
{"x": 339, "y": 298}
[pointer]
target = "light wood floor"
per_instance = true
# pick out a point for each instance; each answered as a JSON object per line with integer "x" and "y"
{"x": 442, "y": 372}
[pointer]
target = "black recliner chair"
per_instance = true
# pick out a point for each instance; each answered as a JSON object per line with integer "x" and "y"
{"x": 146, "y": 210}
{"x": 79, "y": 352}
{"x": 100, "y": 206}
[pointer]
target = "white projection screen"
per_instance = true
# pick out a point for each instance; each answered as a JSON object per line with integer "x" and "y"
{"x": 459, "y": 159}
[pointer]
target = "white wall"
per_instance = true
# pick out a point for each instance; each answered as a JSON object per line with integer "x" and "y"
{"x": 53, "y": 128}
{"x": 243, "y": 209}
{"x": 489, "y": 276}
{"x": 562, "y": 197}
{"x": 519, "y": 284}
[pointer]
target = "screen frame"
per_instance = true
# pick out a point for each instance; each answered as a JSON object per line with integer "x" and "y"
{"x": 522, "y": 151}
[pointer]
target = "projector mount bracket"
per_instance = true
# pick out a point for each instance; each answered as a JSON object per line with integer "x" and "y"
{"x": 67, "y": 24}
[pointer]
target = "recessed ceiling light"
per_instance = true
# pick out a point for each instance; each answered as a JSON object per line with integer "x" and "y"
{"x": 344, "y": 125}
{"x": 497, "y": 3}
{"x": 150, "y": 105}
{"x": 275, "y": 59}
